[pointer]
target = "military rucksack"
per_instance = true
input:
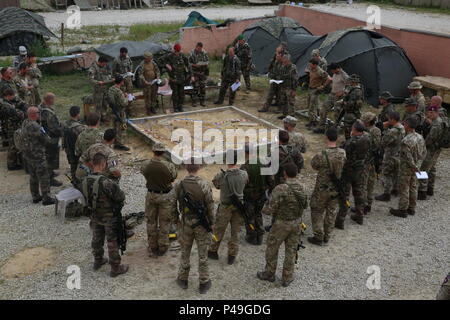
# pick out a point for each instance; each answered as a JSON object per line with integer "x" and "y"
{"x": 70, "y": 138}
{"x": 19, "y": 140}
{"x": 445, "y": 137}
{"x": 91, "y": 199}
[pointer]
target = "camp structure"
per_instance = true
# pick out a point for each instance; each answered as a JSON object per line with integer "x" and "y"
{"x": 380, "y": 63}
{"x": 19, "y": 27}
{"x": 265, "y": 35}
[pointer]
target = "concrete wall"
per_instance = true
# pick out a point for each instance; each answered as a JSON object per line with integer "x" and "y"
{"x": 429, "y": 52}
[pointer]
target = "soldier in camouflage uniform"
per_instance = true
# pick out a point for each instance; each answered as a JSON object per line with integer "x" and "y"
{"x": 386, "y": 108}
{"x": 55, "y": 130}
{"x": 35, "y": 76}
{"x": 121, "y": 66}
{"x": 160, "y": 200}
{"x": 288, "y": 87}
{"x": 373, "y": 160}
{"x": 118, "y": 102}
{"x": 36, "y": 139}
{"x": 72, "y": 130}
{"x": 275, "y": 73}
{"x": 24, "y": 84}
{"x": 324, "y": 199}
{"x": 415, "y": 94}
{"x": 255, "y": 194}
{"x": 280, "y": 51}
{"x": 244, "y": 53}
{"x": 22, "y": 57}
{"x": 296, "y": 139}
{"x": 356, "y": 149}
{"x": 229, "y": 182}
{"x": 286, "y": 206}
{"x": 444, "y": 291}
{"x": 101, "y": 195}
{"x": 7, "y": 80}
{"x": 231, "y": 73}
{"x": 180, "y": 73}
{"x": 391, "y": 143}
{"x": 434, "y": 127}
{"x": 352, "y": 104}
{"x": 200, "y": 192}
{"x": 317, "y": 80}
{"x": 412, "y": 112}
{"x": 91, "y": 135}
{"x": 149, "y": 73}
{"x": 323, "y": 64}
{"x": 287, "y": 154}
{"x": 412, "y": 153}
{"x": 199, "y": 61}
{"x": 100, "y": 78}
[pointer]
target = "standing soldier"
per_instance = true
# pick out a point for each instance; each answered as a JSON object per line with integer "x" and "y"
{"x": 149, "y": 76}
{"x": 7, "y": 80}
{"x": 35, "y": 140}
{"x": 296, "y": 139}
{"x": 286, "y": 206}
{"x": 179, "y": 74}
{"x": 356, "y": 149}
{"x": 323, "y": 64}
{"x": 72, "y": 129}
{"x": 90, "y": 136}
{"x": 231, "y": 183}
{"x": 374, "y": 158}
{"x": 412, "y": 112}
{"x": 415, "y": 93}
{"x": 244, "y": 53}
{"x": 338, "y": 82}
{"x": 275, "y": 73}
{"x": 412, "y": 153}
{"x": 288, "y": 87}
{"x": 35, "y": 76}
{"x": 231, "y": 73}
{"x": 432, "y": 142}
{"x": 118, "y": 102}
{"x": 55, "y": 130}
{"x": 386, "y": 108}
{"x": 159, "y": 203}
{"x": 199, "y": 61}
{"x": 103, "y": 195}
{"x": 121, "y": 66}
{"x": 351, "y": 105}
{"x": 317, "y": 80}
{"x": 199, "y": 192}
{"x": 325, "y": 197}
{"x": 24, "y": 84}
{"x": 22, "y": 57}
{"x": 100, "y": 78}
{"x": 287, "y": 154}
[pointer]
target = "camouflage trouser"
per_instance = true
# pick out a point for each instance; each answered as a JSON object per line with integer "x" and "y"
{"x": 13, "y": 157}
{"x": 226, "y": 84}
{"x": 407, "y": 189}
{"x": 256, "y": 218}
{"x": 246, "y": 76}
{"x": 119, "y": 127}
{"x": 100, "y": 230}
{"x": 159, "y": 209}
{"x": 289, "y": 233}
{"x": 36, "y": 97}
{"x": 371, "y": 178}
{"x": 227, "y": 215}
{"x": 313, "y": 104}
{"x": 52, "y": 154}
{"x": 323, "y": 212}
{"x": 39, "y": 176}
{"x": 325, "y": 109}
{"x": 274, "y": 91}
{"x": 202, "y": 239}
{"x": 177, "y": 94}
{"x": 354, "y": 181}
{"x": 100, "y": 102}
{"x": 429, "y": 165}
{"x": 128, "y": 85}
{"x": 150, "y": 96}
{"x": 390, "y": 173}
{"x": 199, "y": 85}
{"x": 444, "y": 291}
{"x": 287, "y": 102}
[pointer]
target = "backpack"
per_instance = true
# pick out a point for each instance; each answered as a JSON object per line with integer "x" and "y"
{"x": 19, "y": 140}
{"x": 70, "y": 138}
{"x": 445, "y": 138}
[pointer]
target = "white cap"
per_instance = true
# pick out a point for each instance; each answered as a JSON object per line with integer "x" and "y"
{"x": 22, "y": 50}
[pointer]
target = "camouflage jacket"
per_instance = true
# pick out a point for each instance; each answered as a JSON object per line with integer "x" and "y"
{"x": 99, "y": 74}
{"x": 257, "y": 183}
{"x": 181, "y": 69}
{"x": 50, "y": 122}
{"x": 73, "y": 128}
{"x": 116, "y": 99}
{"x": 392, "y": 140}
{"x": 36, "y": 140}
{"x": 7, "y": 84}
{"x": 121, "y": 66}
{"x": 384, "y": 113}
{"x": 434, "y": 136}
{"x": 287, "y": 202}
{"x": 111, "y": 157}
{"x": 289, "y": 76}
{"x": 231, "y": 68}
{"x": 229, "y": 182}
{"x": 244, "y": 53}
{"x": 86, "y": 139}
{"x": 276, "y": 71}
{"x": 353, "y": 101}
{"x": 142, "y": 74}
{"x": 199, "y": 58}
{"x": 375, "y": 143}
{"x": 200, "y": 191}
{"x": 412, "y": 151}
{"x": 35, "y": 75}
{"x": 19, "y": 104}
{"x": 418, "y": 115}
{"x": 22, "y": 82}
{"x": 11, "y": 117}
{"x": 159, "y": 174}
{"x": 421, "y": 103}
{"x": 289, "y": 154}
{"x": 357, "y": 151}
{"x": 298, "y": 141}
{"x": 337, "y": 158}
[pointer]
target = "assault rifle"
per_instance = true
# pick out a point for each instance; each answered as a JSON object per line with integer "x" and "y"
{"x": 120, "y": 227}
{"x": 118, "y": 117}
{"x": 337, "y": 183}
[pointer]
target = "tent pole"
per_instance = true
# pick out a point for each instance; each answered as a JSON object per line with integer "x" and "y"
{"x": 62, "y": 35}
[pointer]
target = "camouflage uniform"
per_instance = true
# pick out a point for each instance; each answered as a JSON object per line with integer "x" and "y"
{"x": 371, "y": 172}
{"x": 337, "y": 87}
{"x": 200, "y": 191}
{"x": 383, "y": 115}
{"x": 317, "y": 79}
{"x": 36, "y": 140}
{"x": 100, "y": 74}
{"x": 54, "y": 128}
{"x": 352, "y": 104}
{"x": 287, "y": 154}
{"x": 119, "y": 103}
{"x": 160, "y": 202}
{"x": 102, "y": 218}
{"x": 275, "y": 73}
{"x": 111, "y": 159}
{"x": 433, "y": 151}
{"x": 391, "y": 143}
{"x": 231, "y": 72}
{"x": 180, "y": 74}
{"x": 286, "y": 205}
{"x": 121, "y": 66}
{"x": 7, "y": 84}
{"x": 22, "y": 82}
{"x": 289, "y": 85}
{"x": 72, "y": 130}
{"x": 244, "y": 53}
{"x": 297, "y": 141}
{"x": 12, "y": 118}
{"x": 200, "y": 74}
{"x": 324, "y": 199}
{"x": 412, "y": 153}
{"x": 150, "y": 72}
{"x": 418, "y": 116}
{"x": 444, "y": 291}
{"x": 86, "y": 139}
{"x": 227, "y": 213}
{"x": 421, "y": 102}
{"x": 35, "y": 76}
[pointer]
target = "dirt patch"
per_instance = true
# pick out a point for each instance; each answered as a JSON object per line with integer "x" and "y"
{"x": 28, "y": 261}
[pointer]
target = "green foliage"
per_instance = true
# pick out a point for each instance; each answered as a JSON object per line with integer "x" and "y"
{"x": 140, "y": 32}
{"x": 43, "y": 51}
{"x": 6, "y": 62}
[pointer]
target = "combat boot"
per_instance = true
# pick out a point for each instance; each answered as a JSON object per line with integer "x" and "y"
{"x": 259, "y": 239}
{"x": 183, "y": 284}
{"x": 262, "y": 275}
{"x": 218, "y": 102}
{"x": 265, "y": 108}
{"x": 422, "y": 195}
{"x": 411, "y": 212}
{"x": 358, "y": 218}
{"x": 367, "y": 209}
{"x": 98, "y": 263}
{"x": 399, "y": 213}
{"x": 286, "y": 283}
{"x": 394, "y": 193}
{"x": 14, "y": 168}
{"x": 118, "y": 269}
{"x": 204, "y": 287}
{"x": 430, "y": 192}
{"x": 339, "y": 224}
{"x": 231, "y": 259}
{"x": 152, "y": 252}
{"x": 326, "y": 239}
{"x": 162, "y": 251}
{"x": 213, "y": 255}
{"x": 383, "y": 197}
{"x": 48, "y": 202}
{"x": 251, "y": 238}
{"x": 202, "y": 103}
{"x": 267, "y": 228}
{"x": 37, "y": 200}
{"x": 315, "y": 241}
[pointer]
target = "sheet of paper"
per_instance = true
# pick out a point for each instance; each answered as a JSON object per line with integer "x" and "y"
{"x": 275, "y": 81}
{"x": 188, "y": 87}
{"x": 422, "y": 175}
{"x": 131, "y": 97}
{"x": 235, "y": 86}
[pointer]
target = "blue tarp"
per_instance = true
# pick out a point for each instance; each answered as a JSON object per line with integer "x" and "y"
{"x": 196, "y": 16}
